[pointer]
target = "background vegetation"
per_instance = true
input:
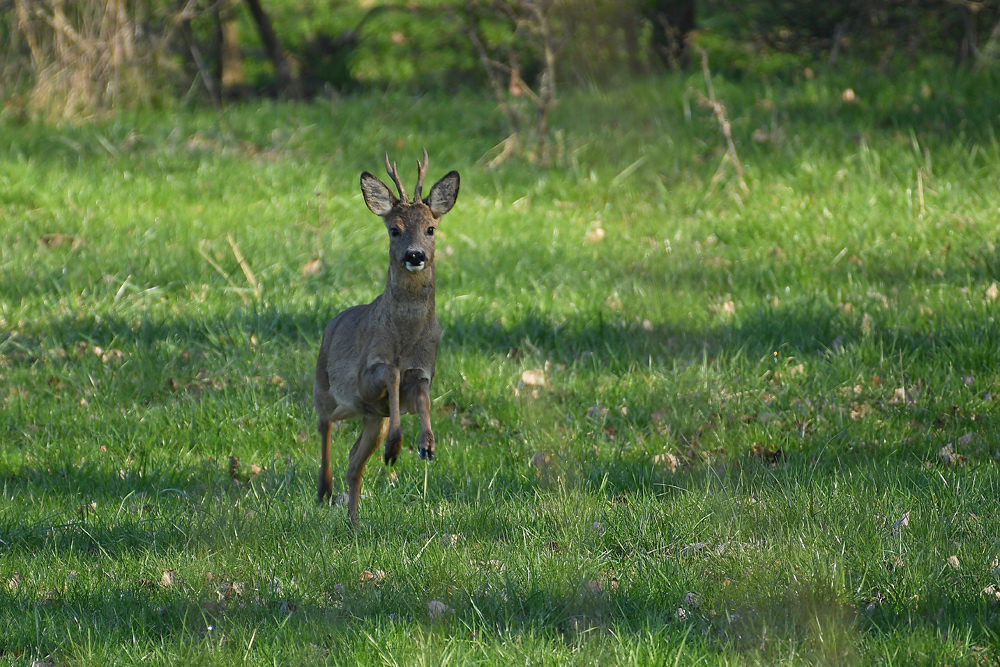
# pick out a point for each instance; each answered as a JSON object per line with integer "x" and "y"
{"x": 719, "y": 373}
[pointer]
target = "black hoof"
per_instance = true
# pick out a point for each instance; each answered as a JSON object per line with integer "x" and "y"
{"x": 427, "y": 454}
{"x": 390, "y": 460}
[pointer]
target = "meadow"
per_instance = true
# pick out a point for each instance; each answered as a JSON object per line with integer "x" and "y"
{"x": 685, "y": 413}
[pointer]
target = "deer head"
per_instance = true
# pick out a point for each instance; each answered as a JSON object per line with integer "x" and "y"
{"x": 410, "y": 224}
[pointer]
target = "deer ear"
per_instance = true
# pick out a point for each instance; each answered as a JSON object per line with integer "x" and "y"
{"x": 443, "y": 195}
{"x": 378, "y": 197}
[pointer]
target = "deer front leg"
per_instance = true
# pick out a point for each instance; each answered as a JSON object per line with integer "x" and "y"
{"x": 372, "y": 431}
{"x": 380, "y": 380}
{"x": 418, "y": 397}
{"x": 325, "y": 485}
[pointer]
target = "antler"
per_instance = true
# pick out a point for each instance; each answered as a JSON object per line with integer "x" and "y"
{"x": 421, "y": 172}
{"x": 394, "y": 175}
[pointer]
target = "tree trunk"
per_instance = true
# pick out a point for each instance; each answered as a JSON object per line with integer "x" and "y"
{"x": 673, "y": 21}
{"x": 288, "y": 85}
{"x": 229, "y": 56}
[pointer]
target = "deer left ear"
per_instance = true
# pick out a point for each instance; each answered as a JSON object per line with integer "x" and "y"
{"x": 443, "y": 195}
{"x": 378, "y": 197}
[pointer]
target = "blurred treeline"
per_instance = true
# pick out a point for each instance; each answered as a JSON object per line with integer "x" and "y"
{"x": 81, "y": 58}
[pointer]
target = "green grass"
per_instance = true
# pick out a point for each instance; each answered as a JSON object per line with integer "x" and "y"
{"x": 825, "y": 319}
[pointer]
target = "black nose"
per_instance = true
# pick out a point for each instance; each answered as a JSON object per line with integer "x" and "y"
{"x": 415, "y": 257}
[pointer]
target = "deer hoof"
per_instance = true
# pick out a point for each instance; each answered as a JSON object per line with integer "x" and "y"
{"x": 390, "y": 459}
{"x": 426, "y": 454}
{"x": 324, "y": 491}
{"x": 393, "y": 445}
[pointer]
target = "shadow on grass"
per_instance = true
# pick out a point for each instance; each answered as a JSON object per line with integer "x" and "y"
{"x": 512, "y": 605}
{"x": 809, "y": 618}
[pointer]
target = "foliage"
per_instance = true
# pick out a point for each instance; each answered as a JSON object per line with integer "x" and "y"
{"x": 78, "y": 59}
{"x": 871, "y": 30}
{"x": 676, "y": 421}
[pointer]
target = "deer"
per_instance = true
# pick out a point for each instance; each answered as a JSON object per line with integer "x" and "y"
{"x": 376, "y": 361}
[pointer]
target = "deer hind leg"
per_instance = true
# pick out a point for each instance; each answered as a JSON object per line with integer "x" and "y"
{"x": 418, "y": 397}
{"x": 383, "y": 380}
{"x": 373, "y": 430}
{"x": 325, "y": 485}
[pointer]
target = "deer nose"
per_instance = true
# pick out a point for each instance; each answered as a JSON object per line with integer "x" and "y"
{"x": 414, "y": 257}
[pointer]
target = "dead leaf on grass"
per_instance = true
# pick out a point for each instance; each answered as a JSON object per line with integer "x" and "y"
{"x": 949, "y": 457}
{"x": 495, "y": 565}
{"x": 904, "y": 395}
{"x": 376, "y": 577}
{"x": 993, "y": 292}
{"x": 726, "y": 308}
{"x": 541, "y": 460}
{"x": 168, "y": 578}
{"x": 313, "y": 267}
{"x": 901, "y": 523}
{"x": 767, "y": 454}
{"x": 692, "y": 548}
{"x": 953, "y": 563}
{"x": 228, "y": 589}
{"x": 597, "y": 411}
{"x": 534, "y": 377}
{"x": 596, "y": 233}
{"x": 859, "y": 410}
{"x": 451, "y": 540}
{"x": 667, "y": 460}
{"x": 57, "y": 239}
{"x": 437, "y": 610}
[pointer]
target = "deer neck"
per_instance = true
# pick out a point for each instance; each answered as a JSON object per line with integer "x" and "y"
{"x": 413, "y": 293}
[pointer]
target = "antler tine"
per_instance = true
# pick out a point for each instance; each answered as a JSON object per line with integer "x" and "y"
{"x": 421, "y": 172}
{"x": 394, "y": 175}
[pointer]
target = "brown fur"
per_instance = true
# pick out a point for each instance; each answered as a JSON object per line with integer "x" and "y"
{"x": 376, "y": 361}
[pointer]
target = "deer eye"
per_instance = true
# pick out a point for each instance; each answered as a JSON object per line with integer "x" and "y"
{"x": 430, "y": 231}
{"x": 394, "y": 232}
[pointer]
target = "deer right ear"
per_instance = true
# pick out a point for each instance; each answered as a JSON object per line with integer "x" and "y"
{"x": 443, "y": 195}
{"x": 378, "y": 197}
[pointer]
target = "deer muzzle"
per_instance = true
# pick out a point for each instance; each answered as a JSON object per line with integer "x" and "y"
{"x": 414, "y": 260}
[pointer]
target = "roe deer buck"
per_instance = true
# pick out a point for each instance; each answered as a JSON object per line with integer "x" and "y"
{"x": 377, "y": 360}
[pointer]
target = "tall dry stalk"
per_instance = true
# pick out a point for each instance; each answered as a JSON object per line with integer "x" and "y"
{"x": 85, "y": 57}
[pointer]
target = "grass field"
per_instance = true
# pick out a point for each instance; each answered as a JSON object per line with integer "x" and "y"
{"x": 678, "y": 421}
